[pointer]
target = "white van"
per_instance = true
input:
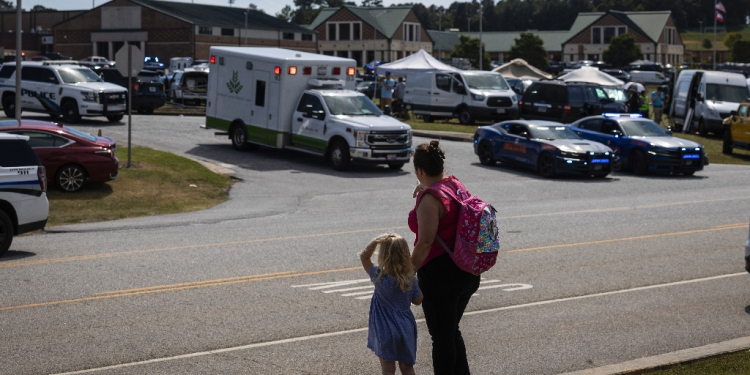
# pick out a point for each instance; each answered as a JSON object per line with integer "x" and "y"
{"x": 707, "y": 97}
{"x": 301, "y": 101}
{"x": 648, "y": 77}
{"x": 470, "y": 95}
{"x": 179, "y": 63}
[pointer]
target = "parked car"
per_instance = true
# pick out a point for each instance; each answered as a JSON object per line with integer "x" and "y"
{"x": 57, "y": 56}
{"x": 39, "y": 58}
{"x": 189, "y": 86}
{"x": 616, "y": 93}
{"x": 366, "y": 88}
{"x": 152, "y": 63}
{"x": 648, "y": 77}
{"x": 23, "y": 189}
{"x": 617, "y": 73}
{"x": 643, "y": 145}
{"x": 566, "y": 102}
{"x": 519, "y": 85}
{"x": 96, "y": 61}
{"x": 737, "y": 129}
{"x": 545, "y": 146}
{"x": 74, "y": 158}
{"x": 147, "y": 94}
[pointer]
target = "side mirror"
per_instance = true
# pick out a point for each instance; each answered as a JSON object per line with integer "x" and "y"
{"x": 669, "y": 130}
{"x": 733, "y": 113}
{"x": 699, "y": 97}
{"x": 526, "y": 135}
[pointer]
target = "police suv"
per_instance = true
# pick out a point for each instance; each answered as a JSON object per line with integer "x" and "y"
{"x": 61, "y": 89}
{"x": 23, "y": 186}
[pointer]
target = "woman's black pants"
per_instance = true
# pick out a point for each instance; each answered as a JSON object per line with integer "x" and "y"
{"x": 447, "y": 290}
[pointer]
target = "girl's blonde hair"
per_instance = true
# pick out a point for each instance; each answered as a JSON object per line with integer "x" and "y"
{"x": 394, "y": 259}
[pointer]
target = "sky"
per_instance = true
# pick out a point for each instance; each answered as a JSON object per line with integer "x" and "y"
{"x": 269, "y": 6}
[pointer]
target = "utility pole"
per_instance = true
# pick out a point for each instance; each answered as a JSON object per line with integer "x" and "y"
{"x": 714, "y": 58}
{"x": 19, "y": 57}
{"x": 440, "y": 29}
{"x": 481, "y": 7}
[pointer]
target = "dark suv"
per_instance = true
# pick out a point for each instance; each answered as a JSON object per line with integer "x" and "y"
{"x": 566, "y": 101}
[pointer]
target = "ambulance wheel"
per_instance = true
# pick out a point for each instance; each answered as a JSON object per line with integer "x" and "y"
{"x": 340, "y": 155}
{"x": 546, "y": 165}
{"x": 70, "y": 112}
{"x": 396, "y": 166}
{"x": 238, "y": 133}
{"x": 726, "y": 147}
{"x": 115, "y": 118}
{"x": 6, "y": 232}
{"x": 465, "y": 117}
{"x": 9, "y": 106}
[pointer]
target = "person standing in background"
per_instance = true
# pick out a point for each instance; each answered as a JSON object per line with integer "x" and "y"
{"x": 386, "y": 91}
{"x": 400, "y": 91}
{"x": 644, "y": 104}
{"x": 657, "y": 104}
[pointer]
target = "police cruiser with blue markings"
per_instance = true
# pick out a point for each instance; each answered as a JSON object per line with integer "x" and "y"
{"x": 23, "y": 189}
{"x": 61, "y": 88}
{"x": 643, "y": 145}
{"x": 549, "y": 147}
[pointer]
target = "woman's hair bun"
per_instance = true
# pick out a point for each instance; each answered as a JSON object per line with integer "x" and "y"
{"x": 435, "y": 150}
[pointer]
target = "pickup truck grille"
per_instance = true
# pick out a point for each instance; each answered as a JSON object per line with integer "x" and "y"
{"x": 389, "y": 140}
{"x": 499, "y": 101}
{"x": 113, "y": 97}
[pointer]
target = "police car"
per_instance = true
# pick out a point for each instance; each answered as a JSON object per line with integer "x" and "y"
{"x": 642, "y": 145}
{"x": 61, "y": 89}
{"x": 23, "y": 186}
{"x": 549, "y": 147}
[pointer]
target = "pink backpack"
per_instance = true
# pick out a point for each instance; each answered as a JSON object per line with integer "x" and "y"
{"x": 477, "y": 244}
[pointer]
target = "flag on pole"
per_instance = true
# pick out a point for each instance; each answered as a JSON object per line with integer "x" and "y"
{"x": 720, "y": 7}
{"x": 719, "y": 16}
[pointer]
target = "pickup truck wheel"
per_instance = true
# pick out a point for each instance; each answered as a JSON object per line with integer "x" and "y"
{"x": 702, "y": 128}
{"x": 9, "y": 106}
{"x": 726, "y": 147}
{"x": 6, "y": 232}
{"x": 639, "y": 163}
{"x": 546, "y": 165}
{"x": 70, "y": 112}
{"x": 427, "y": 118}
{"x": 115, "y": 118}
{"x": 70, "y": 178}
{"x": 340, "y": 155}
{"x": 465, "y": 117}
{"x": 396, "y": 166}
{"x": 239, "y": 138}
{"x": 486, "y": 156}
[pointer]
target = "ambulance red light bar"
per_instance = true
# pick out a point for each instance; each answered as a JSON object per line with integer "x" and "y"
{"x": 292, "y": 70}
{"x": 336, "y": 71}
{"x": 277, "y": 70}
{"x": 213, "y": 59}
{"x": 350, "y": 71}
{"x": 307, "y": 70}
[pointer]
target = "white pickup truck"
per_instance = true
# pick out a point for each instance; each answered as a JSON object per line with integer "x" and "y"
{"x": 300, "y": 101}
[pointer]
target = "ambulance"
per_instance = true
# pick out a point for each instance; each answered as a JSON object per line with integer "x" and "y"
{"x": 300, "y": 101}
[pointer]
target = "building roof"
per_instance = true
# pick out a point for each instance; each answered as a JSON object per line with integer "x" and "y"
{"x": 649, "y": 24}
{"x": 443, "y": 40}
{"x": 385, "y": 20}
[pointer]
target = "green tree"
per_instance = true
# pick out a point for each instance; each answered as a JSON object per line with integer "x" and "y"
{"x": 530, "y": 48}
{"x": 286, "y": 13}
{"x": 372, "y": 3}
{"x": 707, "y": 44}
{"x": 740, "y": 51}
{"x": 731, "y": 38}
{"x": 37, "y": 8}
{"x": 622, "y": 50}
{"x": 469, "y": 48}
{"x": 5, "y": 4}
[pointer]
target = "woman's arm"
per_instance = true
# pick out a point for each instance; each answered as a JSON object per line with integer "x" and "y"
{"x": 428, "y": 217}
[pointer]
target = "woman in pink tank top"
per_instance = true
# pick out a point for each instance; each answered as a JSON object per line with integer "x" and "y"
{"x": 446, "y": 288}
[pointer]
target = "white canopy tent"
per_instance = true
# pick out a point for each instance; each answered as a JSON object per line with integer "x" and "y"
{"x": 519, "y": 68}
{"x": 591, "y": 75}
{"x": 419, "y": 62}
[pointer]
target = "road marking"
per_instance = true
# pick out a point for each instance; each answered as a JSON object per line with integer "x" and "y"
{"x": 727, "y": 227}
{"x": 509, "y": 287}
{"x": 357, "y": 330}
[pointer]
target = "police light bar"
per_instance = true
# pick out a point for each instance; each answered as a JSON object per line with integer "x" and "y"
{"x": 616, "y": 115}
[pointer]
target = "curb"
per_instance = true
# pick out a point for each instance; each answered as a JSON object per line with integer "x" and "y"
{"x": 642, "y": 365}
{"x": 449, "y": 136}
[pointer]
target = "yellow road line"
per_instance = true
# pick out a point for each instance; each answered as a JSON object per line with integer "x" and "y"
{"x": 239, "y": 278}
{"x": 731, "y": 226}
{"x": 176, "y": 287}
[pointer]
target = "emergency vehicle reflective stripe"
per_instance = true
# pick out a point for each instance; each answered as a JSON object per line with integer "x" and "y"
{"x": 30, "y": 187}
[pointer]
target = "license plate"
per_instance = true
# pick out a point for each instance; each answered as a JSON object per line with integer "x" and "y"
{"x": 500, "y": 110}
{"x": 691, "y": 156}
{"x": 152, "y": 89}
{"x": 391, "y": 157}
{"x": 542, "y": 109}
{"x": 599, "y": 161}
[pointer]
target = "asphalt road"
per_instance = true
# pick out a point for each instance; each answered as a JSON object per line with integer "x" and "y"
{"x": 592, "y": 272}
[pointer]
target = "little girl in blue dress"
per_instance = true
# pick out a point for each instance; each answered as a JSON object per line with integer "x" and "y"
{"x": 392, "y": 332}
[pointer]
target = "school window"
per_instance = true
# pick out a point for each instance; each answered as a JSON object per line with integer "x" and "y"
{"x": 609, "y": 33}
{"x": 671, "y": 35}
{"x": 604, "y": 34}
{"x": 260, "y": 93}
{"x": 227, "y": 31}
{"x": 344, "y": 31}
{"x": 411, "y": 32}
{"x": 205, "y": 30}
{"x": 307, "y": 37}
{"x": 596, "y": 35}
{"x": 287, "y": 36}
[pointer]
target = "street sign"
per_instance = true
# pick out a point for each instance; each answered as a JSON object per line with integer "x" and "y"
{"x": 136, "y": 60}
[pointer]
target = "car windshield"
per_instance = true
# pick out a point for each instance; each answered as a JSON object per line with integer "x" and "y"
{"x": 725, "y": 93}
{"x": 617, "y": 94}
{"x": 351, "y": 105}
{"x": 78, "y": 75}
{"x": 486, "y": 81}
{"x": 553, "y": 132}
{"x": 642, "y": 128}
{"x": 80, "y": 134}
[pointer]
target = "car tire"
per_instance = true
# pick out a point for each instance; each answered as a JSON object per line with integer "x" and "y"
{"x": 486, "y": 156}
{"x": 600, "y": 175}
{"x": 142, "y": 110}
{"x": 428, "y": 118}
{"x": 9, "y": 106}
{"x": 639, "y": 163}
{"x": 465, "y": 117}
{"x": 726, "y": 147}
{"x": 340, "y": 155}
{"x": 702, "y": 128}
{"x": 150, "y": 110}
{"x": 115, "y": 118}
{"x": 6, "y": 232}
{"x": 70, "y": 112}
{"x": 396, "y": 166}
{"x": 70, "y": 178}
{"x": 688, "y": 173}
{"x": 238, "y": 134}
{"x": 546, "y": 165}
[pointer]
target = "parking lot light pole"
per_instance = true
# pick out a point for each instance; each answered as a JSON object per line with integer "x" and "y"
{"x": 19, "y": 56}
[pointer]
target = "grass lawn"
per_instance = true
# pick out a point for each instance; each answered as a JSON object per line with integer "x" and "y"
{"x": 736, "y": 363}
{"x": 157, "y": 183}
{"x": 692, "y": 38}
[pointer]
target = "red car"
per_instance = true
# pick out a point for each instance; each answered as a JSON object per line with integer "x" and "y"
{"x": 73, "y": 157}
